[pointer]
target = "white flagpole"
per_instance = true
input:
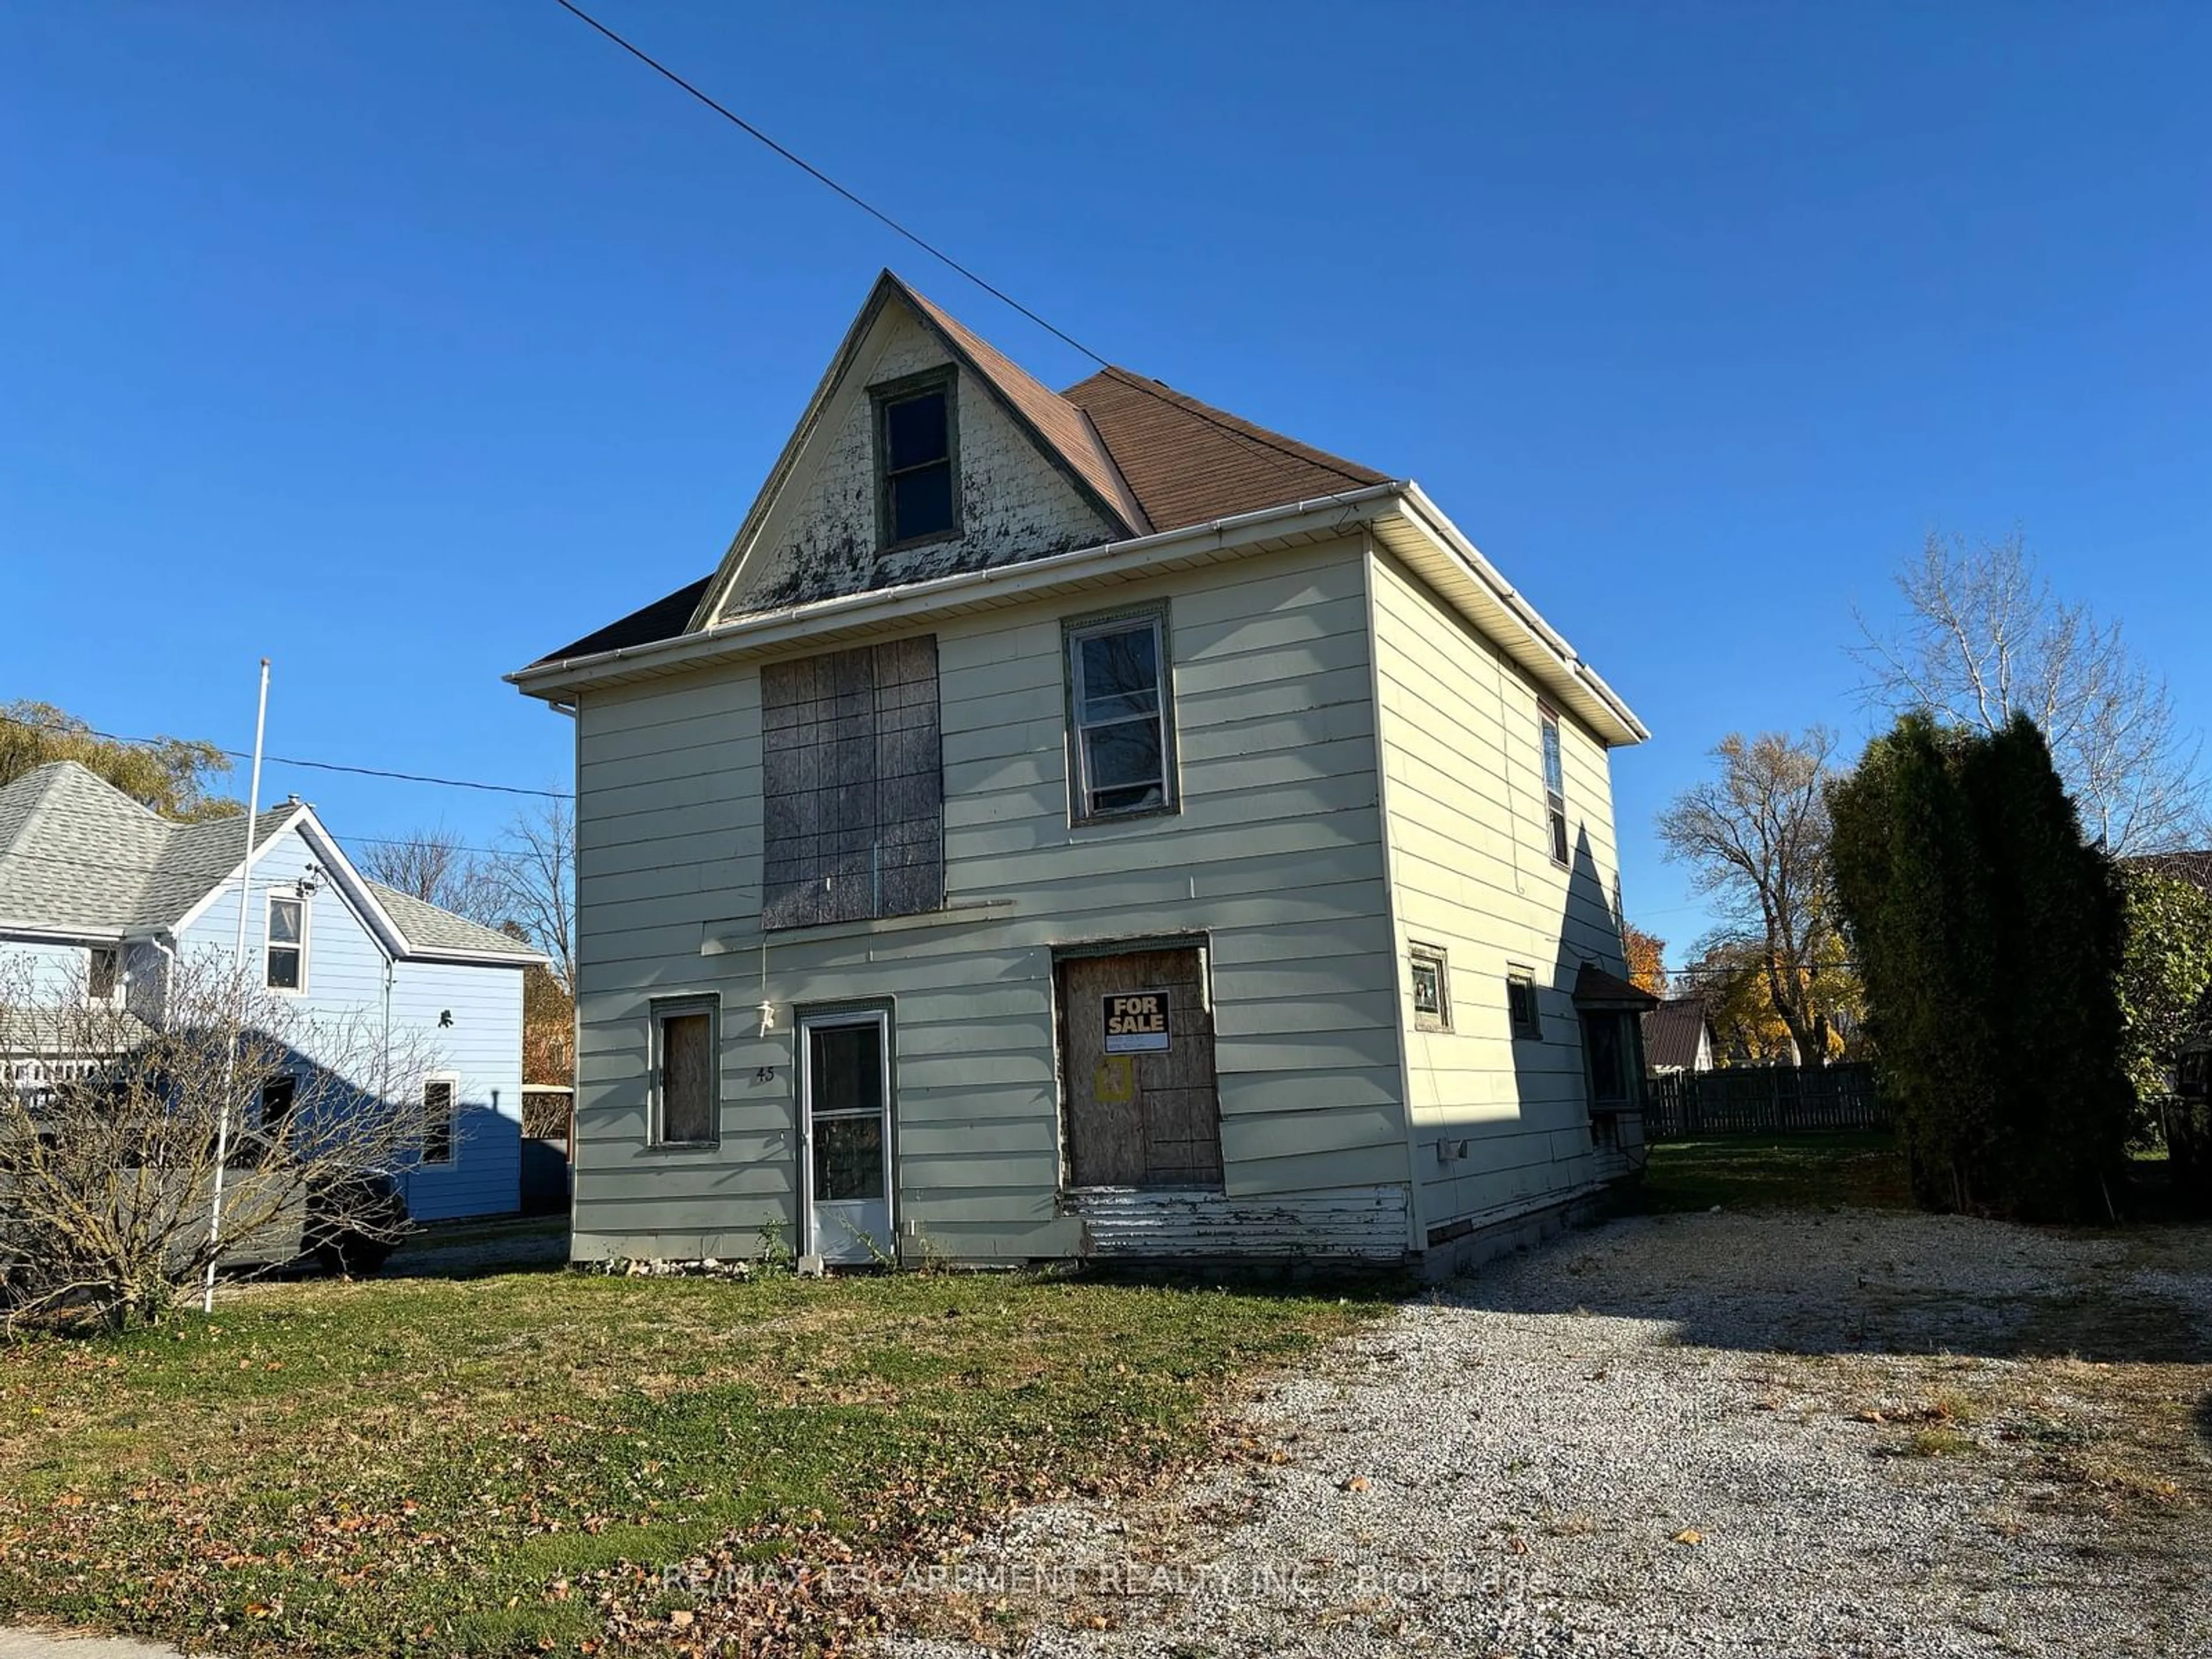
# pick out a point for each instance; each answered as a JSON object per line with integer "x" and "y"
{"x": 238, "y": 972}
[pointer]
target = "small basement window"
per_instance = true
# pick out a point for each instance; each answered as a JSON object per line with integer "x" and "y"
{"x": 439, "y": 1099}
{"x": 1122, "y": 718}
{"x": 1555, "y": 782}
{"x": 684, "y": 1048}
{"x": 287, "y": 944}
{"x": 1520, "y": 1004}
{"x": 1431, "y": 989}
{"x": 917, "y": 472}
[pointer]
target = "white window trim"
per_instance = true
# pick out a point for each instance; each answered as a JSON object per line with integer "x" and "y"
{"x": 452, "y": 1158}
{"x": 1549, "y": 723}
{"x": 115, "y": 990}
{"x": 1418, "y": 954}
{"x": 270, "y": 900}
{"x": 1518, "y": 973}
{"x": 1073, "y": 635}
{"x": 677, "y": 1007}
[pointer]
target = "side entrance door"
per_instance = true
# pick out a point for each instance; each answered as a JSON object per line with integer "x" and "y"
{"x": 845, "y": 1114}
{"x": 1136, "y": 1054}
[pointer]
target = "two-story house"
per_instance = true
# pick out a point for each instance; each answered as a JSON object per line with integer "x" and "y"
{"x": 100, "y": 899}
{"x": 1086, "y": 823}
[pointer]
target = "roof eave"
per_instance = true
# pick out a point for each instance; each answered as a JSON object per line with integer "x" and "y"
{"x": 746, "y": 634}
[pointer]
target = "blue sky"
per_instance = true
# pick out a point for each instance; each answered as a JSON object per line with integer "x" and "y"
{"x": 400, "y": 343}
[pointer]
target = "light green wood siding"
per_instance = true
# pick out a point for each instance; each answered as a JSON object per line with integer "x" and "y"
{"x": 1276, "y": 854}
{"x": 1472, "y": 872}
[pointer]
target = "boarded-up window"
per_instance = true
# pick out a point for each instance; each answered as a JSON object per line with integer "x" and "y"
{"x": 438, "y": 1121}
{"x": 852, "y": 785}
{"x": 683, "y": 1073}
{"x": 1146, "y": 1114}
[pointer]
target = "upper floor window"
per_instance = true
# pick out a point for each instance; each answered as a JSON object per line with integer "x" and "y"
{"x": 103, "y": 973}
{"x": 917, "y": 460}
{"x": 852, "y": 785}
{"x": 1121, "y": 717}
{"x": 288, "y": 943}
{"x": 1555, "y": 783}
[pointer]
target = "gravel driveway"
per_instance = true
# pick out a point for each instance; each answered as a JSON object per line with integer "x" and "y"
{"x": 1688, "y": 1436}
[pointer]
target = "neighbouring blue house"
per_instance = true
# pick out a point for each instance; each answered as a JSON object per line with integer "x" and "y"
{"x": 98, "y": 896}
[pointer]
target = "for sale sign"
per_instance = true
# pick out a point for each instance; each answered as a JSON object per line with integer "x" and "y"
{"x": 1136, "y": 1022}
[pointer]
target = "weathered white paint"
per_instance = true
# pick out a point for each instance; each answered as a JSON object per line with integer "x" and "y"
{"x": 819, "y": 536}
{"x": 1472, "y": 872}
{"x": 1275, "y": 858}
{"x": 1355, "y": 1225}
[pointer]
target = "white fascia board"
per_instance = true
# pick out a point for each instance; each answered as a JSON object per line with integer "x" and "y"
{"x": 747, "y": 635}
{"x": 29, "y": 932}
{"x": 200, "y": 906}
{"x": 389, "y": 938}
{"x": 1554, "y": 659}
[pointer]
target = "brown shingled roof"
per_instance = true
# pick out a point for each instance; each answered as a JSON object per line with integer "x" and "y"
{"x": 1190, "y": 462}
{"x": 1153, "y": 458}
{"x": 1057, "y": 421}
{"x": 2193, "y": 867}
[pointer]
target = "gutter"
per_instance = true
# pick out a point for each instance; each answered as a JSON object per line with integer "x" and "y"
{"x": 890, "y": 602}
{"x": 767, "y": 629}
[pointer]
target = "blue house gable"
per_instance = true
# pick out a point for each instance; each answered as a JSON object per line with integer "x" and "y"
{"x": 98, "y": 896}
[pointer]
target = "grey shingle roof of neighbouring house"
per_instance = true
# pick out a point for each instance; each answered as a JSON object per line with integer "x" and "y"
{"x": 429, "y": 928}
{"x": 1671, "y": 1032}
{"x": 2193, "y": 867}
{"x": 78, "y": 856}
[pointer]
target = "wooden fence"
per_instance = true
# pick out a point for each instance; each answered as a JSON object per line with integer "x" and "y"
{"x": 1740, "y": 1100}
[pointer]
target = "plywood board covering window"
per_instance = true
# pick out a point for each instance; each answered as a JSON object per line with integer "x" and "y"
{"x": 683, "y": 1071}
{"x": 852, "y": 785}
{"x": 1140, "y": 1119}
{"x": 1120, "y": 717}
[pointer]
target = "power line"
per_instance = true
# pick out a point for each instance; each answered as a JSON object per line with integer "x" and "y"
{"x": 1122, "y": 377}
{"x": 291, "y": 760}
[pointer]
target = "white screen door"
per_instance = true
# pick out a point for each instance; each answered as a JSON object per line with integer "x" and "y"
{"x": 845, "y": 1099}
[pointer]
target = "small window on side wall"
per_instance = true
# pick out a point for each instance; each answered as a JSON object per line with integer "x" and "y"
{"x": 103, "y": 973}
{"x": 287, "y": 944}
{"x": 684, "y": 1044}
{"x": 1555, "y": 782}
{"x": 1521, "y": 1005}
{"x": 440, "y": 1095}
{"x": 1122, "y": 718}
{"x": 1431, "y": 989}
{"x": 917, "y": 460}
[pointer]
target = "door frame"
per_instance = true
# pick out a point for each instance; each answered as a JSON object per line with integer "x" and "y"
{"x": 879, "y": 1015}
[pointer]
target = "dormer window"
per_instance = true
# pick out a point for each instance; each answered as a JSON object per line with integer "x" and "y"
{"x": 917, "y": 460}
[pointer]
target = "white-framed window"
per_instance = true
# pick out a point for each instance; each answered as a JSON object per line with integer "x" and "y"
{"x": 1431, "y": 988}
{"x": 441, "y": 1097}
{"x": 1555, "y": 781}
{"x": 1120, "y": 712}
{"x": 686, "y": 1040}
{"x": 287, "y": 943}
{"x": 103, "y": 973}
{"x": 1521, "y": 1005}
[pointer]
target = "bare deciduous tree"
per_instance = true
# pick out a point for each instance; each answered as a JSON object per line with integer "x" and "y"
{"x": 109, "y": 1130}
{"x": 435, "y": 866}
{"x": 1756, "y": 839}
{"x": 537, "y": 874}
{"x": 1986, "y": 637}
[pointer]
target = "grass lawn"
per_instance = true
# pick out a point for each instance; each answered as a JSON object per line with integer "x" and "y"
{"x": 504, "y": 1463}
{"x": 1863, "y": 1169}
